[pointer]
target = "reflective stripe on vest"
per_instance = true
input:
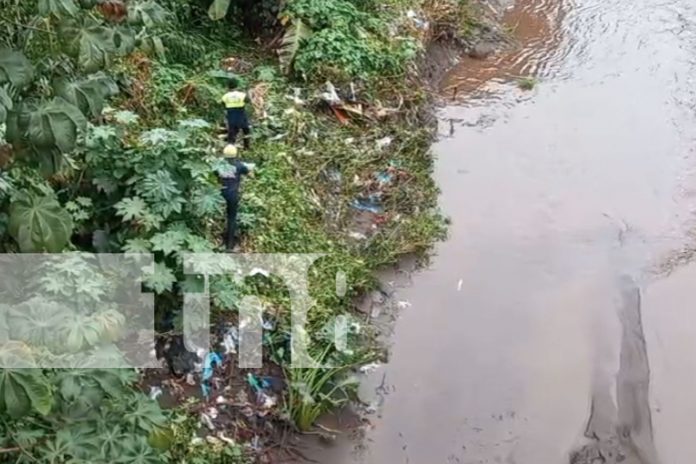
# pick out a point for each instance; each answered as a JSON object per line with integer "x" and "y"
{"x": 234, "y": 99}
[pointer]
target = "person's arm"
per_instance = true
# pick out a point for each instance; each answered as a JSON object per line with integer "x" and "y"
{"x": 243, "y": 169}
{"x": 247, "y": 169}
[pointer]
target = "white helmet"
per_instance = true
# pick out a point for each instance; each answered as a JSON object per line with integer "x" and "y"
{"x": 229, "y": 150}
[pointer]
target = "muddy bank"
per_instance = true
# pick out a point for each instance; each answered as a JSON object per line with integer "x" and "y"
{"x": 447, "y": 48}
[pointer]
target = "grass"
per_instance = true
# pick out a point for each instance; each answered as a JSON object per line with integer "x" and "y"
{"x": 527, "y": 83}
{"x": 310, "y": 170}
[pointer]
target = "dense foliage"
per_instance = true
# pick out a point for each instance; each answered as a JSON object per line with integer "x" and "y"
{"x": 108, "y": 120}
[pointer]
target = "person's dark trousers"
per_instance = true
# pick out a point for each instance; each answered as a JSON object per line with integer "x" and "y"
{"x": 233, "y": 131}
{"x": 234, "y": 125}
{"x": 232, "y": 199}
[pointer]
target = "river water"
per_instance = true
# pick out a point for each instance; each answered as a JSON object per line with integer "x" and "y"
{"x": 557, "y": 324}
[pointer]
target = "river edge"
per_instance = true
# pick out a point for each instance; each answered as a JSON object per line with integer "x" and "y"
{"x": 417, "y": 117}
{"x": 343, "y": 431}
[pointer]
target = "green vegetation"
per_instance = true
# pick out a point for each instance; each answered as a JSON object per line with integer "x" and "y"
{"x": 109, "y": 124}
{"x": 526, "y": 83}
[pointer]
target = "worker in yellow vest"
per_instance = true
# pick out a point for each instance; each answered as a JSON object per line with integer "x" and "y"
{"x": 235, "y": 101}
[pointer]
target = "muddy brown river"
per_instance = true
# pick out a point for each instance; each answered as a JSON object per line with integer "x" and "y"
{"x": 557, "y": 324}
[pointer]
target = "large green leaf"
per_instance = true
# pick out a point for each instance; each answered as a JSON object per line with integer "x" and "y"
{"x": 90, "y": 42}
{"x": 15, "y": 68}
{"x": 51, "y": 125}
{"x": 5, "y": 104}
{"x": 87, "y": 94}
{"x": 168, "y": 242}
{"x": 57, "y": 8}
{"x": 22, "y": 390}
{"x": 39, "y": 223}
{"x": 161, "y": 280}
{"x": 82, "y": 333}
{"x": 131, "y": 208}
{"x": 218, "y": 9}
{"x": 206, "y": 201}
{"x": 296, "y": 32}
{"x": 147, "y": 13}
{"x": 36, "y": 322}
{"x": 124, "y": 40}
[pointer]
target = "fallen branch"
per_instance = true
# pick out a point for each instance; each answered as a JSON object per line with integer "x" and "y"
{"x": 10, "y": 450}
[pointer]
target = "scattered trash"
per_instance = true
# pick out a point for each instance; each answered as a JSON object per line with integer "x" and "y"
{"x": 155, "y": 392}
{"x": 352, "y": 92}
{"x": 268, "y": 325}
{"x": 377, "y": 297}
{"x": 258, "y": 270}
{"x": 227, "y": 440}
{"x": 296, "y": 97}
{"x": 349, "y": 141}
{"x": 459, "y": 285}
{"x": 260, "y": 385}
{"x": 207, "y": 421}
{"x": 403, "y": 304}
{"x": 211, "y": 361}
{"x": 384, "y": 178}
{"x": 342, "y": 118}
{"x": 384, "y": 142}
{"x": 338, "y": 106}
{"x": 367, "y": 368}
{"x": 370, "y": 205}
{"x": 212, "y": 413}
{"x": 331, "y": 96}
{"x": 257, "y": 384}
{"x": 357, "y": 235}
{"x": 230, "y": 340}
{"x": 420, "y": 23}
{"x": 266, "y": 401}
{"x": 221, "y": 400}
{"x": 190, "y": 379}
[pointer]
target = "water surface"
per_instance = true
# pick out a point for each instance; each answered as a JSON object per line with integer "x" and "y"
{"x": 546, "y": 326}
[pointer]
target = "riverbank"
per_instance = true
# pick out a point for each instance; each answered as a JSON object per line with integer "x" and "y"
{"x": 110, "y": 143}
{"x": 344, "y": 168}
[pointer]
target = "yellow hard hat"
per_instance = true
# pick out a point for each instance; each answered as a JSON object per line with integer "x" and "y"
{"x": 229, "y": 150}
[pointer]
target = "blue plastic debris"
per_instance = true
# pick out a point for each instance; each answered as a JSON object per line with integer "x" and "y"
{"x": 254, "y": 382}
{"x": 211, "y": 361}
{"x": 369, "y": 204}
{"x": 384, "y": 177}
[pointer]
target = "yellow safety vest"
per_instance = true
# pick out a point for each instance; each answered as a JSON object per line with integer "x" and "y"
{"x": 234, "y": 99}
